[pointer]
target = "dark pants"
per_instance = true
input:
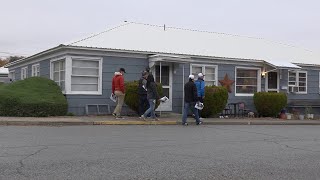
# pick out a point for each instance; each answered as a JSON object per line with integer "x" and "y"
{"x": 143, "y": 103}
{"x": 193, "y": 109}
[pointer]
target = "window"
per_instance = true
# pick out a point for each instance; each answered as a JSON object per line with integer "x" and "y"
{"x": 35, "y": 70}
{"x": 247, "y": 81}
{"x": 78, "y": 75}
{"x": 210, "y": 72}
{"x": 12, "y": 75}
{"x": 85, "y": 75}
{"x": 297, "y": 81}
{"x": 24, "y": 73}
{"x": 58, "y": 73}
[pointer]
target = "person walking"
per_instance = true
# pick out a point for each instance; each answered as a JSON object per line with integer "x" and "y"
{"x": 190, "y": 99}
{"x": 142, "y": 92}
{"x": 119, "y": 90}
{"x": 200, "y": 84}
{"x": 152, "y": 96}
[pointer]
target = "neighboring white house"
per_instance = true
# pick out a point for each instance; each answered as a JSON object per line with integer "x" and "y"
{"x": 4, "y": 74}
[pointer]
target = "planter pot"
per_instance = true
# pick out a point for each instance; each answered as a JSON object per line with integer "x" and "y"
{"x": 289, "y": 116}
{"x": 283, "y": 116}
{"x": 301, "y": 117}
{"x": 310, "y": 116}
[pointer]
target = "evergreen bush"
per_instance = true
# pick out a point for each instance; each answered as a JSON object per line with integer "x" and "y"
{"x": 269, "y": 104}
{"x": 32, "y": 97}
{"x": 216, "y": 98}
{"x": 132, "y": 97}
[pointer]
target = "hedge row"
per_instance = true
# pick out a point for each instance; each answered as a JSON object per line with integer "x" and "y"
{"x": 32, "y": 97}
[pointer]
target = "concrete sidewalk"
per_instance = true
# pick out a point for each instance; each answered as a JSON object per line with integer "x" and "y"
{"x": 166, "y": 120}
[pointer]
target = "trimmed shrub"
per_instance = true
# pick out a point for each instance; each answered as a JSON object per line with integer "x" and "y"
{"x": 216, "y": 98}
{"x": 32, "y": 97}
{"x": 132, "y": 97}
{"x": 269, "y": 104}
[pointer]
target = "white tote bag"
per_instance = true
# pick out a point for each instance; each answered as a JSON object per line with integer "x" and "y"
{"x": 113, "y": 97}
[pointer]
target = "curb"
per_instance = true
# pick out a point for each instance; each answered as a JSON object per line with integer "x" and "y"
{"x": 43, "y": 123}
{"x": 86, "y": 123}
{"x": 134, "y": 123}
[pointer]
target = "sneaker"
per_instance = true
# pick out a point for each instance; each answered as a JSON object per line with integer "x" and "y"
{"x": 119, "y": 117}
{"x": 143, "y": 117}
{"x": 185, "y": 124}
{"x": 155, "y": 119}
{"x": 114, "y": 114}
{"x": 199, "y": 123}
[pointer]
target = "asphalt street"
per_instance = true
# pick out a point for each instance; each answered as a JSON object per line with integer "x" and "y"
{"x": 160, "y": 152}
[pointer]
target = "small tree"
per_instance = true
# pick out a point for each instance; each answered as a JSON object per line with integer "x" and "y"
{"x": 269, "y": 104}
{"x": 132, "y": 97}
{"x": 216, "y": 98}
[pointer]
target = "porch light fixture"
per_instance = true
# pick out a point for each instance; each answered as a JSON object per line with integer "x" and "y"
{"x": 263, "y": 74}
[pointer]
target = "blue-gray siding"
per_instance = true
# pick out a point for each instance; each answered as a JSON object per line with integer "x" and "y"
{"x": 134, "y": 66}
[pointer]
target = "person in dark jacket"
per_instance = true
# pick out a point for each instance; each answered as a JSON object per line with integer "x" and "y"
{"x": 152, "y": 96}
{"x": 142, "y": 91}
{"x": 200, "y": 84}
{"x": 190, "y": 99}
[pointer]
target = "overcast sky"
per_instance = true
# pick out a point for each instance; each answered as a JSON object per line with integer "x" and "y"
{"x": 28, "y": 27}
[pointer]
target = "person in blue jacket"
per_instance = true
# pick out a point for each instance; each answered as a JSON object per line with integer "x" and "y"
{"x": 200, "y": 84}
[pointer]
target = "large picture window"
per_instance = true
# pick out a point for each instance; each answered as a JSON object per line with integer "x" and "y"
{"x": 85, "y": 75}
{"x": 247, "y": 81}
{"x": 78, "y": 75}
{"x": 210, "y": 72}
{"x": 297, "y": 81}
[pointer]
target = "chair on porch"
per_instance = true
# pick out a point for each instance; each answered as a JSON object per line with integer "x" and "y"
{"x": 227, "y": 111}
{"x": 242, "y": 110}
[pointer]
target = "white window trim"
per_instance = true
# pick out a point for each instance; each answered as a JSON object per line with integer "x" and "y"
{"x": 33, "y": 68}
{"x": 267, "y": 89}
{"x": 297, "y": 77}
{"x": 204, "y": 69}
{"x": 13, "y": 78}
{"x": 258, "y": 79}
{"x": 26, "y": 72}
{"x": 68, "y": 74}
{"x": 69, "y": 65}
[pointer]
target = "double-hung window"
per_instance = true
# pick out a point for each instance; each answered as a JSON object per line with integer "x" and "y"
{"x": 24, "y": 73}
{"x": 297, "y": 81}
{"x": 35, "y": 70}
{"x": 58, "y": 74}
{"x": 12, "y": 75}
{"x": 248, "y": 81}
{"x": 210, "y": 72}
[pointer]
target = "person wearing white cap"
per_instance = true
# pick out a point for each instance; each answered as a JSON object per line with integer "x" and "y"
{"x": 200, "y": 84}
{"x": 190, "y": 99}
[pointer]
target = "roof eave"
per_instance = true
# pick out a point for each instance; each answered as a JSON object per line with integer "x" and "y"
{"x": 34, "y": 56}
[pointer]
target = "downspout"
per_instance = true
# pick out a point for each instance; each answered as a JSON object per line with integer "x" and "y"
{"x": 182, "y": 88}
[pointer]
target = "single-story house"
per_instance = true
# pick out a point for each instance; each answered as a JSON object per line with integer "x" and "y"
{"x": 84, "y": 68}
{"x": 4, "y": 73}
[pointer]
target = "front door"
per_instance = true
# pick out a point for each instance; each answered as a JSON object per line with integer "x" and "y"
{"x": 272, "y": 84}
{"x": 163, "y": 75}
